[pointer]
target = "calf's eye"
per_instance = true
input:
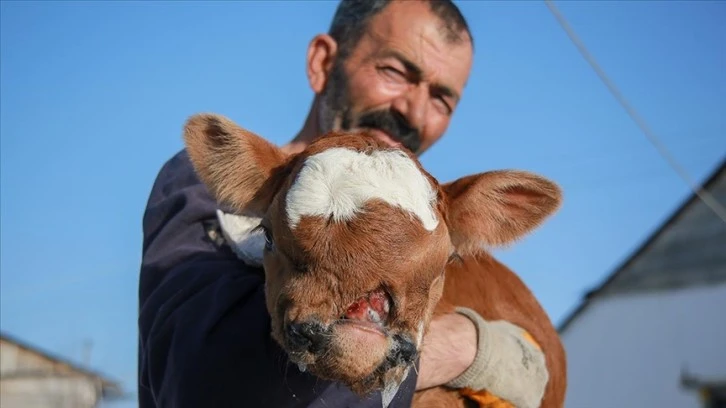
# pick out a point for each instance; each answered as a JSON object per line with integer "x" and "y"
{"x": 269, "y": 243}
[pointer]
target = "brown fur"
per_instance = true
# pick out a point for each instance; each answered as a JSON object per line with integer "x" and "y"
{"x": 482, "y": 283}
{"x": 317, "y": 269}
{"x": 485, "y": 285}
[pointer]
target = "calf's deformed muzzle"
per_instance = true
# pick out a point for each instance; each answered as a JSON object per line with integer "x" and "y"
{"x": 308, "y": 336}
{"x": 403, "y": 351}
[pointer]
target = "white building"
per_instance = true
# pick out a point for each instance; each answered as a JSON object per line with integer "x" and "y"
{"x": 653, "y": 335}
{"x": 30, "y": 377}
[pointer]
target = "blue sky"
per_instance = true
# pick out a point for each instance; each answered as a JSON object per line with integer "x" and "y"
{"x": 94, "y": 95}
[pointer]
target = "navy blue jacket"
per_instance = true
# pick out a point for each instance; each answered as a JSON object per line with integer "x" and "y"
{"x": 204, "y": 331}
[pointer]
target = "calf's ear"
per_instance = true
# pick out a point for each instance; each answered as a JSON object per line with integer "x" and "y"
{"x": 238, "y": 167}
{"x": 498, "y": 207}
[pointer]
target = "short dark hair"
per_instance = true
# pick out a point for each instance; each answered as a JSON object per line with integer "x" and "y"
{"x": 352, "y": 16}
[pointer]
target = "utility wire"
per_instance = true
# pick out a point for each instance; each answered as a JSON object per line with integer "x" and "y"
{"x": 704, "y": 195}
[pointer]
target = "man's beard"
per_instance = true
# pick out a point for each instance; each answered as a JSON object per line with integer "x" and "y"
{"x": 336, "y": 113}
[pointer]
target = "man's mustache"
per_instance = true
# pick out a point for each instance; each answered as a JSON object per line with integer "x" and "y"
{"x": 394, "y": 124}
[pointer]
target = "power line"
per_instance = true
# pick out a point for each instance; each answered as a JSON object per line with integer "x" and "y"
{"x": 704, "y": 195}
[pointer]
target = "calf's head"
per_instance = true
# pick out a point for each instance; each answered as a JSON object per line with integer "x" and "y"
{"x": 358, "y": 236}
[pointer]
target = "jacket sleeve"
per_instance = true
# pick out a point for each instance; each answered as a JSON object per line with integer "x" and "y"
{"x": 204, "y": 331}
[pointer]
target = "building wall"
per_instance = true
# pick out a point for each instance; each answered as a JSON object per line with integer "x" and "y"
{"x": 28, "y": 380}
{"x": 628, "y": 350}
{"x": 52, "y": 391}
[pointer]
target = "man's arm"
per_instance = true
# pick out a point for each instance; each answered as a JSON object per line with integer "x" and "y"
{"x": 450, "y": 347}
{"x": 204, "y": 329}
{"x": 503, "y": 363}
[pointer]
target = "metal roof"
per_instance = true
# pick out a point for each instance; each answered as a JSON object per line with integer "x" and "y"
{"x": 678, "y": 271}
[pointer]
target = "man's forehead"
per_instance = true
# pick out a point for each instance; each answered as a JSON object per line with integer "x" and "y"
{"x": 410, "y": 31}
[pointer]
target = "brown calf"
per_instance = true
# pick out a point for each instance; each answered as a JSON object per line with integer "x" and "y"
{"x": 358, "y": 238}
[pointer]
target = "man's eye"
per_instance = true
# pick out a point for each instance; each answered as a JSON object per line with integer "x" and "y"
{"x": 443, "y": 105}
{"x": 392, "y": 72}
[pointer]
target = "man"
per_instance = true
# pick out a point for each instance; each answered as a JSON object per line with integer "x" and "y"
{"x": 398, "y": 68}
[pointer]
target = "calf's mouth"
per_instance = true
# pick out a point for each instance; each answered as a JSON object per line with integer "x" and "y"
{"x": 369, "y": 312}
{"x": 358, "y": 347}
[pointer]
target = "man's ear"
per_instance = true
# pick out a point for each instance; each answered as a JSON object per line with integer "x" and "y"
{"x": 238, "y": 167}
{"x": 496, "y": 208}
{"x": 320, "y": 59}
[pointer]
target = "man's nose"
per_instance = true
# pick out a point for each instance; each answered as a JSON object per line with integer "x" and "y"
{"x": 413, "y": 105}
{"x": 306, "y": 336}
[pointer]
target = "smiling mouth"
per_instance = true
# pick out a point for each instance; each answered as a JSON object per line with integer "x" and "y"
{"x": 383, "y": 137}
{"x": 370, "y": 311}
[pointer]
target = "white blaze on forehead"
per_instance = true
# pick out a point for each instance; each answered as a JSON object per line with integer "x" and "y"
{"x": 338, "y": 182}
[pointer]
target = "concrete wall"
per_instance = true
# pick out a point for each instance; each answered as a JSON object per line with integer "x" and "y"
{"x": 52, "y": 391}
{"x": 628, "y": 350}
{"x": 30, "y": 380}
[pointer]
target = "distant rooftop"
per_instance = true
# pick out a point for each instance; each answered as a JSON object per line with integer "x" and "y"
{"x": 110, "y": 388}
{"x": 686, "y": 250}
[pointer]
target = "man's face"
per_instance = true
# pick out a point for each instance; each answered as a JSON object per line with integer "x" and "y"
{"x": 403, "y": 79}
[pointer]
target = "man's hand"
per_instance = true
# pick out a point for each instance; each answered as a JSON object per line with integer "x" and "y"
{"x": 449, "y": 349}
{"x": 494, "y": 358}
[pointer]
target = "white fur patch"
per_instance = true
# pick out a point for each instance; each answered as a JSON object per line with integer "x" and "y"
{"x": 237, "y": 231}
{"x": 338, "y": 182}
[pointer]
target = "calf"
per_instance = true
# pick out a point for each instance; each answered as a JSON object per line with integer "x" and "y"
{"x": 362, "y": 247}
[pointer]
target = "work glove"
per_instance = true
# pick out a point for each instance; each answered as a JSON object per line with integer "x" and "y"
{"x": 508, "y": 365}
